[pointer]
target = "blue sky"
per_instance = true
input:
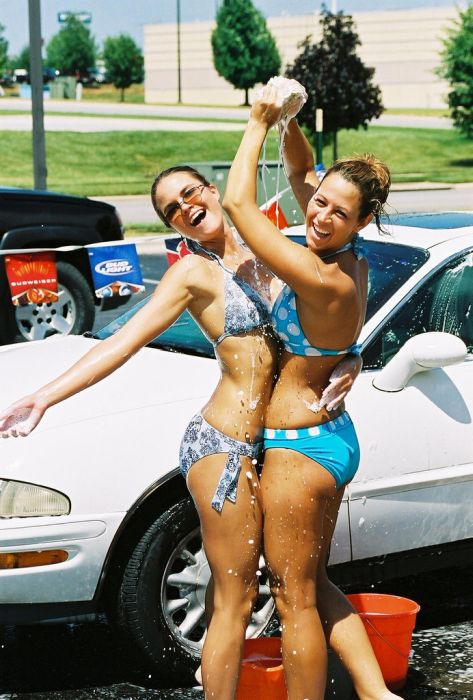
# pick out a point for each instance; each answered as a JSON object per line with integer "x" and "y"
{"x": 112, "y": 17}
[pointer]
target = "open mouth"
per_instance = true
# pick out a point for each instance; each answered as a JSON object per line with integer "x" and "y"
{"x": 320, "y": 234}
{"x": 198, "y": 217}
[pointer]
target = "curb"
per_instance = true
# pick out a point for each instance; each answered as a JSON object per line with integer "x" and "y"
{"x": 422, "y": 186}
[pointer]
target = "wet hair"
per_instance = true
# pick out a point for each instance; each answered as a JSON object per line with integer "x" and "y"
{"x": 372, "y": 179}
{"x": 165, "y": 173}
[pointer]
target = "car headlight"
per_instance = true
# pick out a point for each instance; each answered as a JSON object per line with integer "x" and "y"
{"x": 21, "y": 500}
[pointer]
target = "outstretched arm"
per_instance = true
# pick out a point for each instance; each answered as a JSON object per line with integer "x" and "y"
{"x": 169, "y": 300}
{"x": 299, "y": 164}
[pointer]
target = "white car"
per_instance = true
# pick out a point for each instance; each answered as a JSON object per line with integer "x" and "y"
{"x": 94, "y": 515}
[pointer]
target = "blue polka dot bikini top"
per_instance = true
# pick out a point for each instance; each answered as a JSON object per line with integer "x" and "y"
{"x": 286, "y": 322}
{"x": 245, "y": 309}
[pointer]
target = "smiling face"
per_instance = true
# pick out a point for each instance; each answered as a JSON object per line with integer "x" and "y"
{"x": 332, "y": 217}
{"x": 191, "y": 208}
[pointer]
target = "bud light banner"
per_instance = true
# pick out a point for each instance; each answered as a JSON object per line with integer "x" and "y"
{"x": 115, "y": 270}
{"x": 32, "y": 278}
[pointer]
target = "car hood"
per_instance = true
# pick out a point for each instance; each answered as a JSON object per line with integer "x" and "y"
{"x": 151, "y": 378}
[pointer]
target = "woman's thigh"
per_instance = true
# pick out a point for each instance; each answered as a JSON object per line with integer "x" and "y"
{"x": 296, "y": 492}
{"x": 232, "y": 538}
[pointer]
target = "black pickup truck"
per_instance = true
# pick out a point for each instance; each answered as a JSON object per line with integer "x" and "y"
{"x": 38, "y": 219}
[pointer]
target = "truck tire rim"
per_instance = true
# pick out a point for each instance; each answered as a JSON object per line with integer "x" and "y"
{"x": 183, "y": 595}
{"x": 36, "y": 321}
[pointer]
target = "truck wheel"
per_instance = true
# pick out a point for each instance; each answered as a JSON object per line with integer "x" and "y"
{"x": 161, "y": 602}
{"x": 73, "y": 312}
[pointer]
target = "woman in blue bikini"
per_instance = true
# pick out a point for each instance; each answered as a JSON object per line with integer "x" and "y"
{"x": 310, "y": 455}
{"x": 228, "y": 292}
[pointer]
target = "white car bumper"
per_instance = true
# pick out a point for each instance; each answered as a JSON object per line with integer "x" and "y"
{"x": 86, "y": 542}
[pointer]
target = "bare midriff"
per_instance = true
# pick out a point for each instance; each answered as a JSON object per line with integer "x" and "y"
{"x": 299, "y": 389}
{"x": 238, "y": 405}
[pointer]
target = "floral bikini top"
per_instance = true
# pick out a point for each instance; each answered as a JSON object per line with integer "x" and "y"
{"x": 286, "y": 321}
{"x": 245, "y": 309}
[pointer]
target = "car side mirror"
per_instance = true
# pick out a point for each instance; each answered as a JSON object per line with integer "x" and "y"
{"x": 420, "y": 353}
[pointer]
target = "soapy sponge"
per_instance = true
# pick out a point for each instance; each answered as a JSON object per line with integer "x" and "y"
{"x": 292, "y": 94}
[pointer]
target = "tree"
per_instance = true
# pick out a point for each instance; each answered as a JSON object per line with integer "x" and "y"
{"x": 72, "y": 50}
{"x": 336, "y": 79}
{"x": 23, "y": 59}
{"x": 123, "y": 62}
{"x": 3, "y": 51}
{"x": 457, "y": 69}
{"x": 244, "y": 50}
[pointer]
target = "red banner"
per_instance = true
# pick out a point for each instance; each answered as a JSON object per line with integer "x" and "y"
{"x": 275, "y": 214}
{"x": 175, "y": 249}
{"x": 32, "y": 277}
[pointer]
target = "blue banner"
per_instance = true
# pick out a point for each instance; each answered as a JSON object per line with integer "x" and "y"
{"x": 115, "y": 270}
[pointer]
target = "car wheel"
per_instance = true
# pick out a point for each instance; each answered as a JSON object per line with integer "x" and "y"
{"x": 162, "y": 596}
{"x": 73, "y": 312}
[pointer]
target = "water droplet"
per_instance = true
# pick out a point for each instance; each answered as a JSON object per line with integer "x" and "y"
{"x": 249, "y": 475}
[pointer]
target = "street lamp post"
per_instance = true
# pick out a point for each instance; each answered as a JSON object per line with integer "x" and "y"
{"x": 37, "y": 108}
{"x": 178, "y": 14}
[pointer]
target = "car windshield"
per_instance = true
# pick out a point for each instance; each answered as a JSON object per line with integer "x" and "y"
{"x": 436, "y": 220}
{"x": 390, "y": 265}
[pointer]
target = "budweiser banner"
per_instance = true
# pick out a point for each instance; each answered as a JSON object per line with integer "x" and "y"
{"x": 32, "y": 277}
{"x": 115, "y": 270}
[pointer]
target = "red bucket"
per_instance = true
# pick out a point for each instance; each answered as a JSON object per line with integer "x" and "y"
{"x": 389, "y": 621}
{"x": 262, "y": 675}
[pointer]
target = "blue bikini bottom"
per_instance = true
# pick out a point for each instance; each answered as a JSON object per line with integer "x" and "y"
{"x": 202, "y": 439}
{"x": 333, "y": 445}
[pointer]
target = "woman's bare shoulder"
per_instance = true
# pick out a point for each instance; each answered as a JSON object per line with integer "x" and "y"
{"x": 196, "y": 272}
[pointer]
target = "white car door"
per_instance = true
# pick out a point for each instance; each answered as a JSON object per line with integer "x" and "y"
{"x": 414, "y": 487}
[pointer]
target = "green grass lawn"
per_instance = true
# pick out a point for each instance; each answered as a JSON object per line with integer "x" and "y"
{"x": 418, "y": 111}
{"x": 118, "y": 163}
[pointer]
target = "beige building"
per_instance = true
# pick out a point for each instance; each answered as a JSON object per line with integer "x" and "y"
{"x": 403, "y": 46}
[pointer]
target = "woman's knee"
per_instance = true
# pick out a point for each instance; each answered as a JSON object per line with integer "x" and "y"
{"x": 235, "y": 601}
{"x": 293, "y": 599}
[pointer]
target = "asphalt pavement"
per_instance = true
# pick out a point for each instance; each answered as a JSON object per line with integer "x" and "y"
{"x": 80, "y": 662}
{"x": 112, "y": 117}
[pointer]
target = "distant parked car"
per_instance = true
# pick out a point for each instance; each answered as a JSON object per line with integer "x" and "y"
{"x": 36, "y": 219}
{"x": 94, "y": 515}
{"x": 21, "y": 75}
{"x": 49, "y": 74}
{"x": 7, "y": 79}
{"x": 97, "y": 75}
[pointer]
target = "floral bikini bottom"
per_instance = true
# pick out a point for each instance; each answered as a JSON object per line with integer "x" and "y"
{"x": 202, "y": 439}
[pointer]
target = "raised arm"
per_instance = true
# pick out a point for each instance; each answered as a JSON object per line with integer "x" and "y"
{"x": 299, "y": 164}
{"x": 288, "y": 260}
{"x": 169, "y": 300}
